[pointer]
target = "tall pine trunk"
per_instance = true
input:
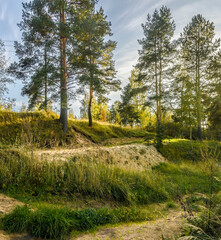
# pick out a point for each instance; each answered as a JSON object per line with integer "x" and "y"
{"x": 198, "y": 96}
{"x": 89, "y": 106}
{"x": 156, "y": 84}
{"x": 63, "y": 83}
{"x": 160, "y": 84}
{"x": 46, "y": 82}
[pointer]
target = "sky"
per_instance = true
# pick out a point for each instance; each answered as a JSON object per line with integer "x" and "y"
{"x": 126, "y": 17}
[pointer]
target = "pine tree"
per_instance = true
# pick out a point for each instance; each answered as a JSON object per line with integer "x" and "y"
{"x": 139, "y": 97}
{"x": 156, "y": 56}
{"x": 198, "y": 45}
{"x": 128, "y": 111}
{"x": 49, "y": 29}
{"x": 93, "y": 55}
{"x": 4, "y": 79}
{"x": 36, "y": 64}
{"x": 182, "y": 96}
{"x": 115, "y": 113}
{"x": 213, "y": 99}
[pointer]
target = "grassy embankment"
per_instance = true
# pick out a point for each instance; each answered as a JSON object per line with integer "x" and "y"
{"x": 120, "y": 195}
{"x": 44, "y": 130}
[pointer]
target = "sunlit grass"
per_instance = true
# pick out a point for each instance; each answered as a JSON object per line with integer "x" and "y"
{"x": 43, "y": 129}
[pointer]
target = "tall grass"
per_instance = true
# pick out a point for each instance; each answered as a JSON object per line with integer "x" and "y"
{"x": 85, "y": 178}
{"x": 99, "y": 180}
{"x": 57, "y": 223}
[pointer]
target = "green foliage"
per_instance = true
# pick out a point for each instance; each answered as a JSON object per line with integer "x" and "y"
{"x": 127, "y": 109}
{"x": 205, "y": 228}
{"x": 57, "y": 223}
{"x": 197, "y": 48}
{"x": 156, "y": 56}
{"x": 206, "y": 225}
{"x": 4, "y": 79}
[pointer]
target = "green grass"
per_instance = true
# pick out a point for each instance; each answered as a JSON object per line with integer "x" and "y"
{"x": 185, "y": 178}
{"x": 94, "y": 179}
{"x": 206, "y": 224}
{"x": 36, "y": 181}
{"x": 42, "y": 129}
{"x": 23, "y": 173}
{"x": 57, "y": 223}
{"x": 178, "y": 150}
{"x": 103, "y": 131}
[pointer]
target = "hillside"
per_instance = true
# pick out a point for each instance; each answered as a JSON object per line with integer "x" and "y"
{"x": 68, "y": 184}
{"x": 44, "y": 130}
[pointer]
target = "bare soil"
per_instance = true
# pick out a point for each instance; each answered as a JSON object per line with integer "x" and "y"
{"x": 136, "y": 156}
{"x": 7, "y": 204}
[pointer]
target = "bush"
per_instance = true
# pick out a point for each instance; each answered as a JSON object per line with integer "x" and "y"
{"x": 50, "y": 223}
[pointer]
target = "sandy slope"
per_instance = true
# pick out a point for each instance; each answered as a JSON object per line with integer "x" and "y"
{"x": 136, "y": 156}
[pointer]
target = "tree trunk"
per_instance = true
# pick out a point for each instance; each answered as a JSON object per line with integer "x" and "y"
{"x": 160, "y": 85}
{"x": 89, "y": 107}
{"x": 156, "y": 84}
{"x": 63, "y": 84}
{"x": 46, "y": 82}
{"x": 198, "y": 93}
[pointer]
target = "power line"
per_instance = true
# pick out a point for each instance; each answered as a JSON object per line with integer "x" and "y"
{"x": 8, "y": 41}
{"x": 10, "y": 51}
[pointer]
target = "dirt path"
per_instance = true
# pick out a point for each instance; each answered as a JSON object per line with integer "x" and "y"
{"x": 4, "y": 236}
{"x": 7, "y": 204}
{"x": 168, "y": 227}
